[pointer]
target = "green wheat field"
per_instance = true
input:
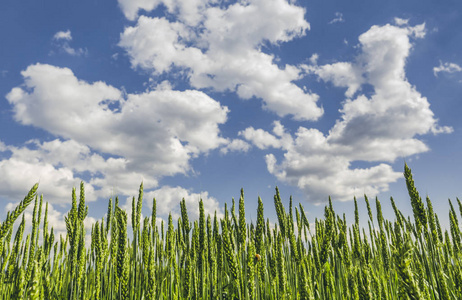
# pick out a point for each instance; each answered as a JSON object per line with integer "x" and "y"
{"x": 229, "y": 258}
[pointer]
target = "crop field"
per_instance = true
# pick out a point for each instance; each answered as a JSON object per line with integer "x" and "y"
{"x": 229, "y": 258}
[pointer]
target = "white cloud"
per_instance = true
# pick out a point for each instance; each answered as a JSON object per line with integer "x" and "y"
{"x": 401, "y": 22}
{"x": 378, "y": 129}
{"x": 130, "y": 8}
{"x": 190, "y": 12}
{"x": 278, "y": 129}
{"x": 338, "y": 18}
{"x": 314, "y": 59}
{"x": 62, "y": 39}
{"x": 63, "y": 35}
{"x": 236, "y": 145}
{"x": 341, "y": 74}
{"x": 265, "y": 140}
{"x": 223, "y": 52}
{"x": 446, "y": 68}
{"x": 418, "y": 31}
{"x": 19, "y": 176}
{"x": 74, "y": 52}
{"x": 53, "y": 164}
{"x": 147, "y": 136}
{"x": 260, "y": 138}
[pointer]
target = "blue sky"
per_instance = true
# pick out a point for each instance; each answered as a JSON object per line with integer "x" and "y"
{"x": 200, "y": 98}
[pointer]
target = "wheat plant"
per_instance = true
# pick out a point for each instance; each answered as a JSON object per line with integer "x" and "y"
{"x": 230, "y": 258}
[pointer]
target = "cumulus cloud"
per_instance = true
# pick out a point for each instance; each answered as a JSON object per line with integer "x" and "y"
{"x": 377, "y": 129}
{"x": 130, "y": 8}
{"x": 314, "y": 59}
{"x": 260, "y": 138}
{"x": 63, "y": 35}
{"x": 236, "y": 145}
{"x": 217, "y": 48}
{"x": 189, "y": 12}
{"x": 446, "y": 67}
{"x": 62, "y": 39}
{"x": 265, "y": 140}
{"x": 145, "y": 136}
{"x": 53, "y": 164}
{"x": 341, "y": 74}
{"x": 401, "y": 22}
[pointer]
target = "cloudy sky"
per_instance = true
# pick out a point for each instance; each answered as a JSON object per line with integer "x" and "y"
{"x": 199, "y": 98}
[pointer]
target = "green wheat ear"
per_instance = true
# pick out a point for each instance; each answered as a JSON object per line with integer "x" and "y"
{"x": 11, "y": 218}
{"x": 243, "y": 261}
{"x": 242, "y": 222}
{"x": 418, "y": 207}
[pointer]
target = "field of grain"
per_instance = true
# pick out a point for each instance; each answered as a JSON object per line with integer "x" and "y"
{"x": 229, "y": 258}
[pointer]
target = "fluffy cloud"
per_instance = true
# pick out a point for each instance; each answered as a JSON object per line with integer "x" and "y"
{"x": 62, "y": 39}
{"x": 260, "y": 138}
{"x": 19, "y": 176}
{"x": 341, "y": 74}
{"x": 189, "y": 12}
{"x": 63, "y": 35}
{"x": 236, "y": 145}
{"x": 446, "y": 68}
{"x": 401, "y": 22}
{"x": 130, "y": 8}
{"x": 377, "y": 129}
{"x": 222, "y": 51}
{"x": 55, "y": 165}
{"x": 145, "y": 136}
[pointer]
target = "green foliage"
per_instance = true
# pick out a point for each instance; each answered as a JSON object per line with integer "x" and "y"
{"x": 399, "y": 260}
